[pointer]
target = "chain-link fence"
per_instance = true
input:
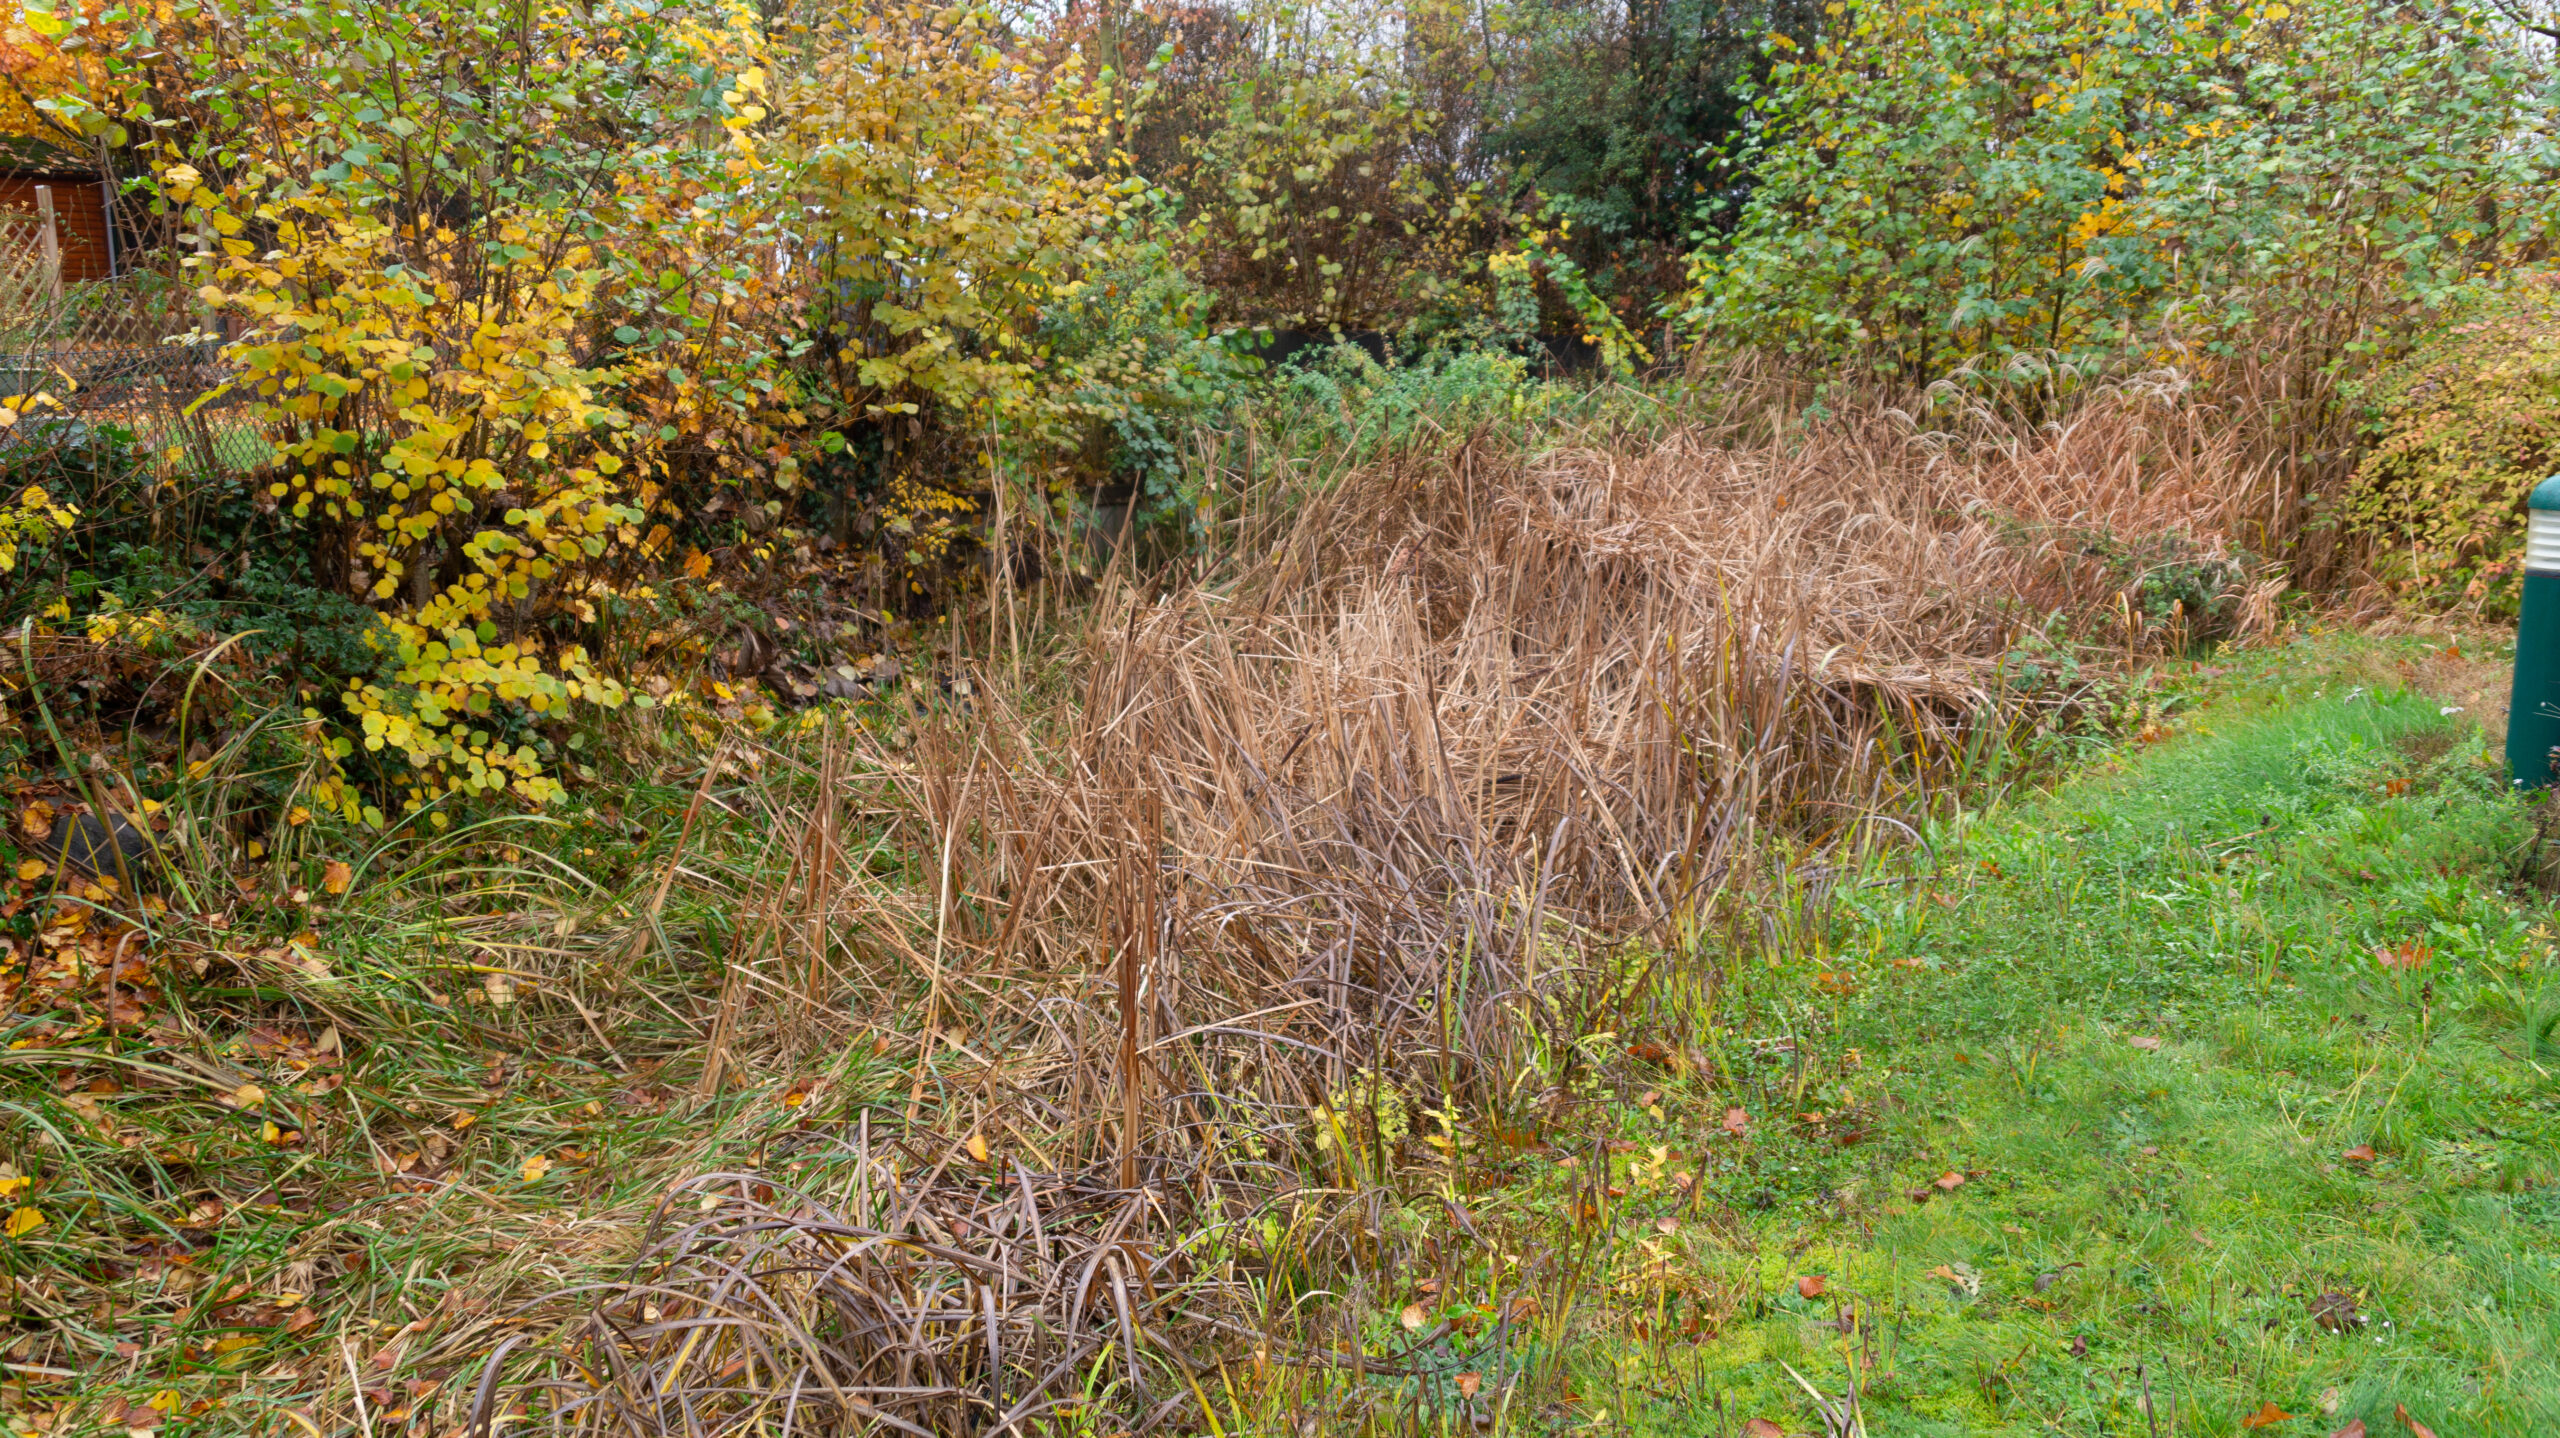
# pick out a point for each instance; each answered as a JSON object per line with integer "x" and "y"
{"x": 132, "y": 351}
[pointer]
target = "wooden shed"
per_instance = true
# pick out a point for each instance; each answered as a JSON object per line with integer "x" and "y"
{"x": 36, "y": 177}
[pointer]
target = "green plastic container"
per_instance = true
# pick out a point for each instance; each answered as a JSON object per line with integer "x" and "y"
{"x": 2533, "y": 714}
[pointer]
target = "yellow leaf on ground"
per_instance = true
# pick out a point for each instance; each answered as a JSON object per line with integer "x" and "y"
{"x": 337, "y": 876}
{"x": 34, "y": 869}
{"x": 247, "y": 1095}
{"x": 36, "y": 820}
{"x": 535, "y": 1167}
{"x": 23, "y": 1222}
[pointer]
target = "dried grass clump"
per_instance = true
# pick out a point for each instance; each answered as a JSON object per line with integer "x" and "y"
{"x": 914, "y": 1290}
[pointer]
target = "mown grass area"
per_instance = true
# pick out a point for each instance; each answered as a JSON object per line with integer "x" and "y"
{"x": 2221, "y": 1075}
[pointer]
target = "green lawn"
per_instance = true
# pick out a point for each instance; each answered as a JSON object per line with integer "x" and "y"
{"x": 2194, "y": 1133}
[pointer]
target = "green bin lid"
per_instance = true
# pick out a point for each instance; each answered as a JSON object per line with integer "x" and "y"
{"x": 2546, "y": 495}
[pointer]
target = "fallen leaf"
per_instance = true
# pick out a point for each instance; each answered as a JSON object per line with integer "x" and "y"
{"x": 535, "y": 1167}
{"x": 23, "y": 1222}
{"x": 2267, "y": 1416}
{"x": 247, "y": 1095}
{"x": 1411, "y": 1318}
{"x": 1949, "y": 1181}
{"x": 2416, "y": 1428}
{"x": 499, "y": 987}
{"x": 2335, "y": 1311}
{"x": 1736, "y": 1122}
{"x": 2354, "y": 1429}
{"x": 2144, "y": 1041}
{"x": 337, "y": 876}
{"x": 2361, "y": 1153}
{"x": 1811, "y": 1286}
{"x": 2407, "y": 956}
{"x": 1762, "y": 1428}
{"x": 36, "y": 820}
{"x": 1666, "y": 1226}
{"x": 978, "y": 1147}
{"x": 1468, "y": 1383}
{"x": 33, "y": 869}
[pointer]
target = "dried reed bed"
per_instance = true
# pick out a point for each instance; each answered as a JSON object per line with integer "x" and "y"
{"x": 1484, "y": 713}
{"x": 1385, "y": 821}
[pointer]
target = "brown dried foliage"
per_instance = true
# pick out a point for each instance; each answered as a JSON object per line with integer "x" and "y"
{"x": 1479, "y": 733}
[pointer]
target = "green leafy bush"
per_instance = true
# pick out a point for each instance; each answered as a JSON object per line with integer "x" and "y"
{"x": 2463, "y": 428}
{"x": 2100, "y": 177}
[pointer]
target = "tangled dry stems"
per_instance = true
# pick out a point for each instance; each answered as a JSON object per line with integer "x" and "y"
{"x": 1378, "y": 815}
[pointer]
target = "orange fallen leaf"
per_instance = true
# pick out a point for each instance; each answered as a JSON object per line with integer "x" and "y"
{"x": 2416, "y": 1428}
{"x": 1811, "y": 1286}
{"x": 337, "y": 876}
{"x": 1736, "y": 1122}
{"x": 36, "y": 821}
{"x": 1468, "y": 1383}
{"x": 1762, "y": 1428}
{"x": 2361, "y": 1153}
{"x": 1949, "y": 1181}
{"x": 2406, "y": 955}
{"x": 2267, "y": 1416}
{"x": 1411, "y": 1318}
{"x": 2354, "y": 1429}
